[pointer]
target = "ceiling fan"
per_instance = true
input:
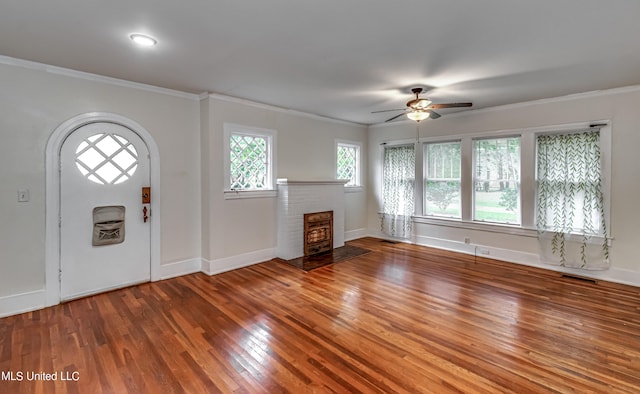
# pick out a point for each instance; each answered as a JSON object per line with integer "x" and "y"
{"x": 421, "y": 108}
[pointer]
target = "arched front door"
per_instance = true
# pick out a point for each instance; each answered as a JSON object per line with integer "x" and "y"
{"x": 105, "y": 239}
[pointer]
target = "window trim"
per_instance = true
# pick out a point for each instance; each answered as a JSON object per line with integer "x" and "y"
{"x": 270, "y": 136}
{"x": 359, "y": 186}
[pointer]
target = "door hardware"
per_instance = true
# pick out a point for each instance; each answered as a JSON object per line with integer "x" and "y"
{"x": 146, "y": 195}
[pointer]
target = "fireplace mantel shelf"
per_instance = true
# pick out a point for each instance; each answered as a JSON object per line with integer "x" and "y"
{"x": 286, "y": 181}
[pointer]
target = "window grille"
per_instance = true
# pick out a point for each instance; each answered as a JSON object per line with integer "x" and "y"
{"x": 348, "y": 157}
{"x": 106, "y": 158}
{"x": 249, "y": 162}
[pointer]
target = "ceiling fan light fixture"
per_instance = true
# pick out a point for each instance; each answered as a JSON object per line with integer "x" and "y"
{"x": 418, "y": 115}
{"x": 419, "y": 104}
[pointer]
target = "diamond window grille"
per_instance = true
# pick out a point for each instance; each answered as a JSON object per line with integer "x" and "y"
{"x": 348, "y": 164}
{"x": 107, "y": 159}
{"x": 249, "y": 162}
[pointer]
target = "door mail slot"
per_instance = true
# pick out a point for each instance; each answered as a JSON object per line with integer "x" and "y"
{"x": 108, "y": 225}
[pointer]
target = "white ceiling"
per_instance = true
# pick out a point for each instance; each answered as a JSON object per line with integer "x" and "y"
{"x": 339, "y": 58}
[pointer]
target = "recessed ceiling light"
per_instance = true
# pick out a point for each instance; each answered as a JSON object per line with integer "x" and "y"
{"x": 143, "y": 40}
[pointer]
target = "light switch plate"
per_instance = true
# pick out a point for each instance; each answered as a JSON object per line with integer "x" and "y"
{"x": 23, "y": 195}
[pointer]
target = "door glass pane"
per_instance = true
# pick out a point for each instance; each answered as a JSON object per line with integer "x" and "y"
{"x": 106, "y": 158}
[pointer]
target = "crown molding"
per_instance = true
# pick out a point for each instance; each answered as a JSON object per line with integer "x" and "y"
{"x": 270, "y": 107}
{"x": 554, "y": 100}
{"x": 10, "y": 61}
{"x": 524, "y": 104}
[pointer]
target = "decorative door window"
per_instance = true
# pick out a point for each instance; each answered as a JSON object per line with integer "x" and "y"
{"x": 106, "y": 159}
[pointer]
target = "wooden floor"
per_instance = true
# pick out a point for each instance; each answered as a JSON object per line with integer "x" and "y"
{"x": 399, "y": 319}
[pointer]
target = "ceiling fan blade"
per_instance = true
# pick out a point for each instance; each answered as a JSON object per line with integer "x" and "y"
{"x": 394, "y": 118}
{"x": 387, "y": 110}
{"x": 433, "y": 114}
{"x": 450, "y": 105}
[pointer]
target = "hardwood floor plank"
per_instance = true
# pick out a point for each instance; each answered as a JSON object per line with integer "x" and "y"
{"x": 401, "y": 318}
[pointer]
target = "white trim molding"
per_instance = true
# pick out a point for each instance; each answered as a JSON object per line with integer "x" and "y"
{"x": 255, "y": 104}
{"x": 94, "y": 77}
{"x": 525, "y": 104}
{"x": 21, "y": 303}
{"x": 613, "y": 274}
{"x": 218, "y": 266}
{"x": 350, "y": 235}
{"x": 180, "y": 268}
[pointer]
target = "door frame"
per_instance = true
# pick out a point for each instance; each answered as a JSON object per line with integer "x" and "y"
{"x": 52, "y": 195}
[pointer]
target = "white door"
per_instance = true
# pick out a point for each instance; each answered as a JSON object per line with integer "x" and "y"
{"x": 103, "y": 165}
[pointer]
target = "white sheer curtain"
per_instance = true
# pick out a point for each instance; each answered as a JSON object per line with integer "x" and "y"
{"x": 570, "y": 200}
{"x": 398, "y": 184}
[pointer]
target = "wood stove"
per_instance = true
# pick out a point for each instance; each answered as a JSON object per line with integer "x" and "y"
{"x": 318, "y": 232}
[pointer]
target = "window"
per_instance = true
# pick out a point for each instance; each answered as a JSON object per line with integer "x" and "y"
{"x": 249, "y": 160}
{"x": 499, "y": 178}
{"x": 496, "y": 184}
{"x": 442, "y": 179}
{"x": 569, "y": 188}
{"x": 569, "y": 184}
{"x": 348, "y": 163}
{"x": 398, "y": 183}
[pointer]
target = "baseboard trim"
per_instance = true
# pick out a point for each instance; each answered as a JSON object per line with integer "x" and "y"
{"x": 613, "y": 274}
{"x": 179, "y": 268}
{"x": 445, "y": 244}
{"x": 355, "y": 234}
{"x": 34, "y": 300}
{"x": 21, "y": 303}
{"x": 217, "y": 266}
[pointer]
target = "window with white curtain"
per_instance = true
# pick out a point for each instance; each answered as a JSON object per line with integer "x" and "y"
{"x": 398, "y": 186}
{"x": 569, "y": 188}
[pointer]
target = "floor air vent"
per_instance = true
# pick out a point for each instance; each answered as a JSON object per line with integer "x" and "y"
{"x": 580, "y": 278}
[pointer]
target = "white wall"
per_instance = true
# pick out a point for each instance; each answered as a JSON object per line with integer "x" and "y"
{"x": 199, "y": 225}
{"x": 199, "y": 228}
{"x": 620, "y": 106}
{"x": 34, "y": 100}
{"x": 241, "y": 231}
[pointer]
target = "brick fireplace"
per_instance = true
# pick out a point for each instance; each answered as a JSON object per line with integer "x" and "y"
{"x": 299, "y": 198}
